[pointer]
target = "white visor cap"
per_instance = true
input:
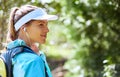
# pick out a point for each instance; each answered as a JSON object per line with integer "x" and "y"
{"x": 37, "y": 14}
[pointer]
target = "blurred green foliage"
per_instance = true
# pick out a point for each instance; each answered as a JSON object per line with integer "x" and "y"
{"x": 88, "y": 32}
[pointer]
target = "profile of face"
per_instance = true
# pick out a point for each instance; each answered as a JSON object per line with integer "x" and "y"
{"x": 37, "y": 31}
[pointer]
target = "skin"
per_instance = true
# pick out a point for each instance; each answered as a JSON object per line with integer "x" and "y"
{"x": 36, "y": 32}
{"x": 35, "y": 48}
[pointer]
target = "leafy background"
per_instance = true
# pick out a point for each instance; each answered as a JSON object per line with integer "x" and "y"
{"x": 86, "y": 34}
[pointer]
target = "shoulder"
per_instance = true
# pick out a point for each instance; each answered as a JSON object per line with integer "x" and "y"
{"x": 28, "y": 64}
{"x": 27, "y": 56}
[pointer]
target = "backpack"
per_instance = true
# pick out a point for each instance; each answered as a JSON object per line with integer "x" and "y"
{"x": 6, "y": 60}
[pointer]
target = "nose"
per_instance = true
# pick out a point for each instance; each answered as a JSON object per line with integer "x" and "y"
{"x": 47, "y": 29}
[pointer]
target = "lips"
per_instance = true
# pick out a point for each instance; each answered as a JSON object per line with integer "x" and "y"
{"x": 44, "y": 36}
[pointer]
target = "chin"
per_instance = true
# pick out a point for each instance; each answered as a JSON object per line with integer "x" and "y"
{"x": 42, "y": 42}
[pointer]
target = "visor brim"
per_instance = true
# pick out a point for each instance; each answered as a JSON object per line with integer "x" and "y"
{"x": 46, "y": 17}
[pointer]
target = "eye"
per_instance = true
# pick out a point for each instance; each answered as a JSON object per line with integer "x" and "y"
{"x": 41, "y": 25}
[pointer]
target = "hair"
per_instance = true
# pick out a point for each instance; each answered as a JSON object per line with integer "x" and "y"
{"x": 15, "y": 15}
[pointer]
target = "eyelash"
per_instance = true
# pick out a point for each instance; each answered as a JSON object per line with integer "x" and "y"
{"x": 42, "y": 25}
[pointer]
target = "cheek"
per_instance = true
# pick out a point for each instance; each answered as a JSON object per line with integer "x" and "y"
{"x": 36, "y": 30}
{"x": 35, "y": 33}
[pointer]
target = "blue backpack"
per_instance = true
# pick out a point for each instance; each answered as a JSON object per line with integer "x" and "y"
{"x": 6, "y": 60}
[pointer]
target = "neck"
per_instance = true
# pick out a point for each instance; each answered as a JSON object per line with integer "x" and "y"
{"x": 25, "y": 37}
{"x": 31, "y": 45}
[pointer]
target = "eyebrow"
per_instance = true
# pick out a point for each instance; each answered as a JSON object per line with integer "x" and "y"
{"x": 42, "y": 21}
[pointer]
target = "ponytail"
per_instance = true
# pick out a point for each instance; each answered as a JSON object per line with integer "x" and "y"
{"x": 12, "y": 34}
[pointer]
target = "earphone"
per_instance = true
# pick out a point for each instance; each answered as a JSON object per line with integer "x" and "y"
{"x": 24, "y": 29}
{"x": 27, "y": 35}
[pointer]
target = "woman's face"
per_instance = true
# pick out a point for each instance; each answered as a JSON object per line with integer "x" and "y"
{"x": 37, "y": 31}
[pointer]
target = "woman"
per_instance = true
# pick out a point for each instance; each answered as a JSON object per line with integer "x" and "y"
{"x": 27, "y": 26}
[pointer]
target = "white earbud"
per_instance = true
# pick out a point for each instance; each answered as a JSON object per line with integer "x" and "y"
{"x": 25, "y": 29}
